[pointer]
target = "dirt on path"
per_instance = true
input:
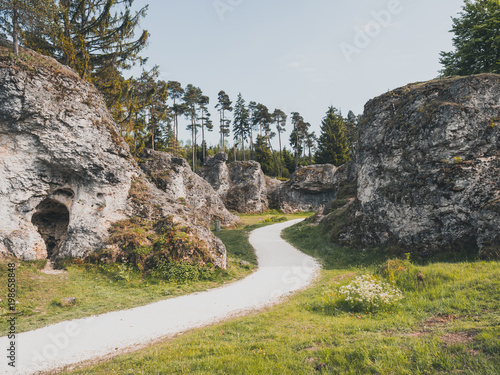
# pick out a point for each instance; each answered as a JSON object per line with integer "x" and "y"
{"x": 282, "y": 270}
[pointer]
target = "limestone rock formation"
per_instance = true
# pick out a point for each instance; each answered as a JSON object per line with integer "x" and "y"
{"x": 310, "y": 189}
{"x": 215, "y": 172}
{"x": 66, "y": 175}
{"x": 174, "y": 176}
{"x": 241, "y": 185}
{"x": 428, "y": 167}
{"x": 247, "y": 191}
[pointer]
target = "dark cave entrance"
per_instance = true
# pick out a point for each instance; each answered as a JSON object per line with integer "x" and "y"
{"x": 52, "y": 220}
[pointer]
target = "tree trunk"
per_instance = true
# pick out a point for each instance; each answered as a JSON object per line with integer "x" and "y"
{"x": 15, "y": 31}
{"x": 192, "y": 141}
{"x": 297, "y": 148}
{"x": 152, "y": 131}
{"x": 281, "y": 156}
{"x": 251, "y": 143}
{"x": 243, "y": 148}
{"x": 203, "y": 135}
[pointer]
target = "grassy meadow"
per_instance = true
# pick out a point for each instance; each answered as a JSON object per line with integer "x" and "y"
{"x": 447, "y": 323}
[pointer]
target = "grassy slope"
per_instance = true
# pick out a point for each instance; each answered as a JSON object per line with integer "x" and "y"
{"x": 449, "y": 325}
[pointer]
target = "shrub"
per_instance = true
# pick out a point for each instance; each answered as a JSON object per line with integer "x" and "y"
{"x": 181, "y": 272}
{"x": 367, "y": 293}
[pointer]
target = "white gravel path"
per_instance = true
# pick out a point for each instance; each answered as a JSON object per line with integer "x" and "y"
{"x": 282, "y": 270}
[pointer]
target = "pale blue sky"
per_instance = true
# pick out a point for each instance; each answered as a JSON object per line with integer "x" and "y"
{"x": 294, "y": 54}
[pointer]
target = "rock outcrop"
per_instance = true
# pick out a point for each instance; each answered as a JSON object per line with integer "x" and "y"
{"x": 66, "y": 175}
{"x": 310, "y": 188}
{"x": 247, "y": 192}
{"x": 216, "y": 173}
{"x": 428, "y": 167}
{"x": 241, "y": 185}
{"x": 245, "y": 189}
{"x": 174, "y": 176}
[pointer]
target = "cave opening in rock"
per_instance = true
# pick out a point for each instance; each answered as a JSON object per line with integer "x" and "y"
{"x": 52, "y": 220}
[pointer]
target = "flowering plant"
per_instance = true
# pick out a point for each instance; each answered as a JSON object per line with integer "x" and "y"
{"x": 367, "y": 293}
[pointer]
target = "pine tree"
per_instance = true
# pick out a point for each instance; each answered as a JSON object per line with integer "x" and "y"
{"x": 351, "y": 131}
{"x": 20, "y": 17}
{"x": 176, "y": 92}
{"x": 310, "y": 143}
{"x": 241, "y": 123}
{"x": 252, "y": 108}
{"x": 476, "y": 41}
{"x": 263, "y": 155}
{"x": 192, "y": 96}
{"x": 280, "y": 121}
{"x": 223, "y": 106}
{"x": 94, "y": 35}
{"x": 298, "y": 135}
{"x": 333, "y": 147}
{"x": 206, "y": 122}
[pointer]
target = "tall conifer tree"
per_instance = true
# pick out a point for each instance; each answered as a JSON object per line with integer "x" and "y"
{"x": 333, "y": 146}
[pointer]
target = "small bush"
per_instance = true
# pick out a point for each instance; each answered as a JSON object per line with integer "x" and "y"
{"x": 401, "y": 273}
{"x": 367, "y": 293}
{"x": 181, "y": 272}
{"x": 274, "y": 219}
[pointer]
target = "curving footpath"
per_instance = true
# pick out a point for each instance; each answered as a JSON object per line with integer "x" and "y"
{"x": 282, "y": 270}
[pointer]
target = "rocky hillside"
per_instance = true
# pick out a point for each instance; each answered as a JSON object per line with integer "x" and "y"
{"x": 428, "y": 168}
{"x": 68, "y": 184}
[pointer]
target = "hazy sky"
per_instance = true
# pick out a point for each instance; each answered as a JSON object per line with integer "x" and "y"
{"x": 298, "y": 55}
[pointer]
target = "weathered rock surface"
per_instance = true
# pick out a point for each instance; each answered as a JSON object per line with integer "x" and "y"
{"x": 248, "y": 192}
{"x": 216, "y": 173}
{"x": 244, "y": 188}
{"x": 174, "y": 176}
{"x": 428, "y": 167}
{"x": 310, "y": 189}
{"x": 66, "y": 175}
{"x": 241, "y": 185}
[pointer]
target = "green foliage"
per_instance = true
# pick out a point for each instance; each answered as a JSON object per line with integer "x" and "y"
{"x": 224, "y": 105}
{"x": 333, "y": 146}
{"x": 275, "y": 219}
{"x": 241, "y": 122}
{"x": 181, "y": 272}
{"x": 19, "y": 18}
{"x": 476, "y": 40}
{"x": 93, "y": 35}
{"x": 264, "y": 156}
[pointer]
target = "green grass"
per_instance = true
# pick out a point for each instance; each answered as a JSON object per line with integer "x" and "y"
{"x": 449, "y": 324}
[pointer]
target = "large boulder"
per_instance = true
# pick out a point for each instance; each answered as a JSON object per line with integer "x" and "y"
{"x": 247, "y": 192}
{"x": 66, "y": 176}
{"x": 428, "y": 167}
{"x": 174, "y": 176}
{"x": 241, "y": 185}
{"x": 216, "y": 173}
